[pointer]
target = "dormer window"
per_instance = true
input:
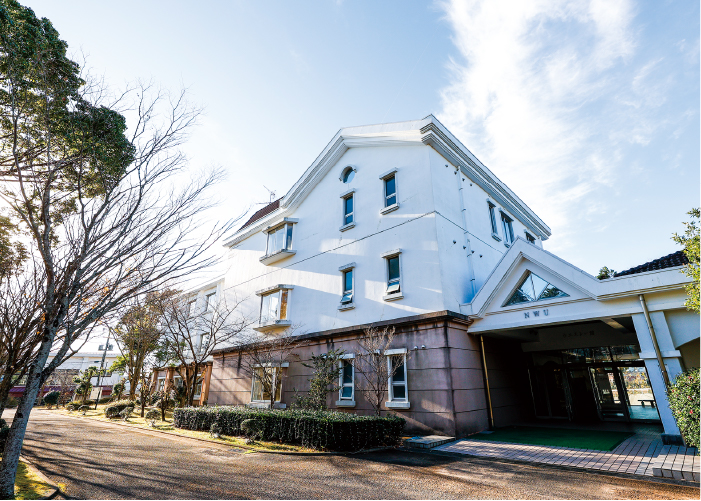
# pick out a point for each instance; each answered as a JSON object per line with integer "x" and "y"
{"x": 279, "y": 241}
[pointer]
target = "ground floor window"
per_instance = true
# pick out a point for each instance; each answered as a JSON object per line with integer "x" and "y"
{"x": 397, "y": 382}
{"x": 265, "y": 381}
{"x": 346, "y": 380}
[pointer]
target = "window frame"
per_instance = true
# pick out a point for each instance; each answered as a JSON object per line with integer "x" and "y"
{"x": 386, "y": 208}
{"x": 345, "y": 196}
{"x": 389, "y": 296}
{"x": 344, "y": 171}
{"x": 508, "y": 228}
{"x": 342, "y": 384}
{"x": 287, "y": 230}
{"x": 277, "y": 384}
{"x": 493, "y": 220}
{"x": 207, "y": 300}
{"x": 529, "y": 237}
{"x": 390, "y": 380}
{"x": 283, "y": 297}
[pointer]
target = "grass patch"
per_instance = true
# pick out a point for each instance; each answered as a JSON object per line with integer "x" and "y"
{"x": 28, "y": 485}
{"x": 167, "y": 426}
{"x": 556, "y": 437}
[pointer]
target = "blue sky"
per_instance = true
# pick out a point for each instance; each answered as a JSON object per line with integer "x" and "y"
{"x": 588, "y": 110}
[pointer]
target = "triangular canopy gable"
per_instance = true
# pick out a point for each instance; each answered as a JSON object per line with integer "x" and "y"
{"x": 533, "y": 288}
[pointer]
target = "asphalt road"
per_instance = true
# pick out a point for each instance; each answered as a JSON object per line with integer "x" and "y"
{"x": 98, "y": 460}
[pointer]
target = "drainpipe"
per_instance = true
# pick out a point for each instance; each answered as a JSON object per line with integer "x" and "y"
{"x": 486, "y": 385}
{"x": 665, "y": 376}
{"x": 470, "y": 267}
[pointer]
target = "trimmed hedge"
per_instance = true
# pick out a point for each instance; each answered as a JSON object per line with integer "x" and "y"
{"x": 112, "y": 411}
{"x": 683, "y": 398}
{"x": 337, "y": 431}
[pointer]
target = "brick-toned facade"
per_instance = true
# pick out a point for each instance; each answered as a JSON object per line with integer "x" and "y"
{"x": 445, "y": 379}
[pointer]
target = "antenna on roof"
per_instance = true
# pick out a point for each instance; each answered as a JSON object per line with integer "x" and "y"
{"x": 271, "y": 192}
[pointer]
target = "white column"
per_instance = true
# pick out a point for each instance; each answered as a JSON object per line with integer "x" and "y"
{"x": 671, "y": 361}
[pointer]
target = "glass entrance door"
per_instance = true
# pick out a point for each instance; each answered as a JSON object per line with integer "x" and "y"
{"x": 638, "y": 394}
{"x": 608, "y": 393}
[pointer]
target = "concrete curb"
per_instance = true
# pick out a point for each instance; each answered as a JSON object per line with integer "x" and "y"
{"x": 629, "y": 476}
{"x": 247, "y": 447}
{"x": 43, "y": 477}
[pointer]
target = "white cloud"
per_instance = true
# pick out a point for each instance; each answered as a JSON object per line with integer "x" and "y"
{"x": 529, "y": 97}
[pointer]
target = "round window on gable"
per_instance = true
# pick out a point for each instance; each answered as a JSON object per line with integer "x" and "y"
{"x": 348, "y": 175}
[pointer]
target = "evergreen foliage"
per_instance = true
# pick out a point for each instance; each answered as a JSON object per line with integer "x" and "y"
{"x": 683, "y": 396}
{"x": 112, "y": 411}
{"x": 324, "y": 380}
{"x": 337, "y": 431}
{"x": 690, "y": 241}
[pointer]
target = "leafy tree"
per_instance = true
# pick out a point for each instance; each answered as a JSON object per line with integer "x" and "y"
{"x": 96, "y": 202}
{"x": 690, "y": 241}
{"x": 605, "y": 272}
{"x": 83, "y": 381}
{"x": 683, "y": 396}
{"x": 138, "y": 335}
{"x": 325, "y": 373}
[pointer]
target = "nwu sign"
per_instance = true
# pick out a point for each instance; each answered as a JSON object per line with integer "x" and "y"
{"x": 535, "y": 313}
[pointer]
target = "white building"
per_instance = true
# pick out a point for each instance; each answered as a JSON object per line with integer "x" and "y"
{"x": 91, "y": 355}
{"x": 399, "y": 224}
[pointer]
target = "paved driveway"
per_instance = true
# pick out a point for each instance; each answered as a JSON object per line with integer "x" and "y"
{"x": 100, "y": 460}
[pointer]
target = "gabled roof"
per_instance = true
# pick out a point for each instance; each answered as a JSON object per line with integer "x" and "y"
{"x": 656, "y": 279}
{"x": 261, "y": 213}
{"x": 669, "y": 261}
{"x": 428, "y": 131}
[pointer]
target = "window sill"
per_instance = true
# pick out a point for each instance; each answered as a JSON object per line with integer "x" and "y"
{"x": 278, "y": 256}
{"x": 345, "y": 403}
{"x": 393, "y": 297}
{"x": 390, "y": 208}
{"x": 507, "y": 245}
{"x": 266, "y": 405}
{"x": 496, "y": 237}
{"x": 397, "y": 405}
{"x": 344, "y": 307}
{"x": 269, "y": 326}
{"x": 347, "y": 226}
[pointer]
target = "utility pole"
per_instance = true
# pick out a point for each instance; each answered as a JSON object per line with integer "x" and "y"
{"x": 102, "y": 362}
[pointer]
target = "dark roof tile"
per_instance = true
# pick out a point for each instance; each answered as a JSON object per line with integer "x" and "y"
{"x": 676, "y": 259}
{"x": 261, "y": 213}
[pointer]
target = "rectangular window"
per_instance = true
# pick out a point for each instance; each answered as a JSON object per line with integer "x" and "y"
{"x": 492, "y": 218}
{"x": 161, "y": 384}
{"x": 348, "y": 210}
{"x": 264, "y": 380}
{"x": 390, "y": 191}
{"x": 530, "y": 238}
{"x": 191, "y": 308}
{"x": 346, "y": 380}
{"x": 393, "y": 278}
{"x": 397, "y": 382}
{"x": 347, "y": 287}
{"x": 273, "y": 306}
{"x": 508, "y": 229}
{"x": 279, "y": 239}
{"x": 209, "y": 301}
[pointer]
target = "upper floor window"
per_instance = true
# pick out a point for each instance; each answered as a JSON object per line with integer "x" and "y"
{"x": 109, "y": 347}
{"x": 348, "y": 175}
{"x": 279, "y": 239}
{"x": 390, "y": 191}
{"x": 506, "y": 223}
{"x": 209, "y": 301}
{"x": 493, "y": 220}
{"x": 273, "y": 306}
{"x": 530, "y": 238}
{"x": 347, "y": 286}
{"x": 191, "y": 307}
{"x": 393, "y": 275}
{"x": 348, "y": 209}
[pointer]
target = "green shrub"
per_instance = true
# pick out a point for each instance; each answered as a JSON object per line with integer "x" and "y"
{"x": 152, "y": 415}
{"x": 125, "y": 414}
{"x": 112, "y": 411}
{"x": 683, "y": 398}
{"x": 3, "y": 423}
{"x": 83, "y": 409}
{"x": 12, "y": 402}
{"x": 51, "y": 398}
{"x": 328, "y": 430}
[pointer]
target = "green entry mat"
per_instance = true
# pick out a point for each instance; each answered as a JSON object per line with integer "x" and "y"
{"x": 557, "y": 437}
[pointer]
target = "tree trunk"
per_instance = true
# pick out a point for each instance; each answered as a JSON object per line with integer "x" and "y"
{"x": 13, "y": 444}
{"x": 5, "y": 387}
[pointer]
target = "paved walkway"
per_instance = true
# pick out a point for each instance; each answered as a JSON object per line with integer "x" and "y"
{"x": 637, "y": 455}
